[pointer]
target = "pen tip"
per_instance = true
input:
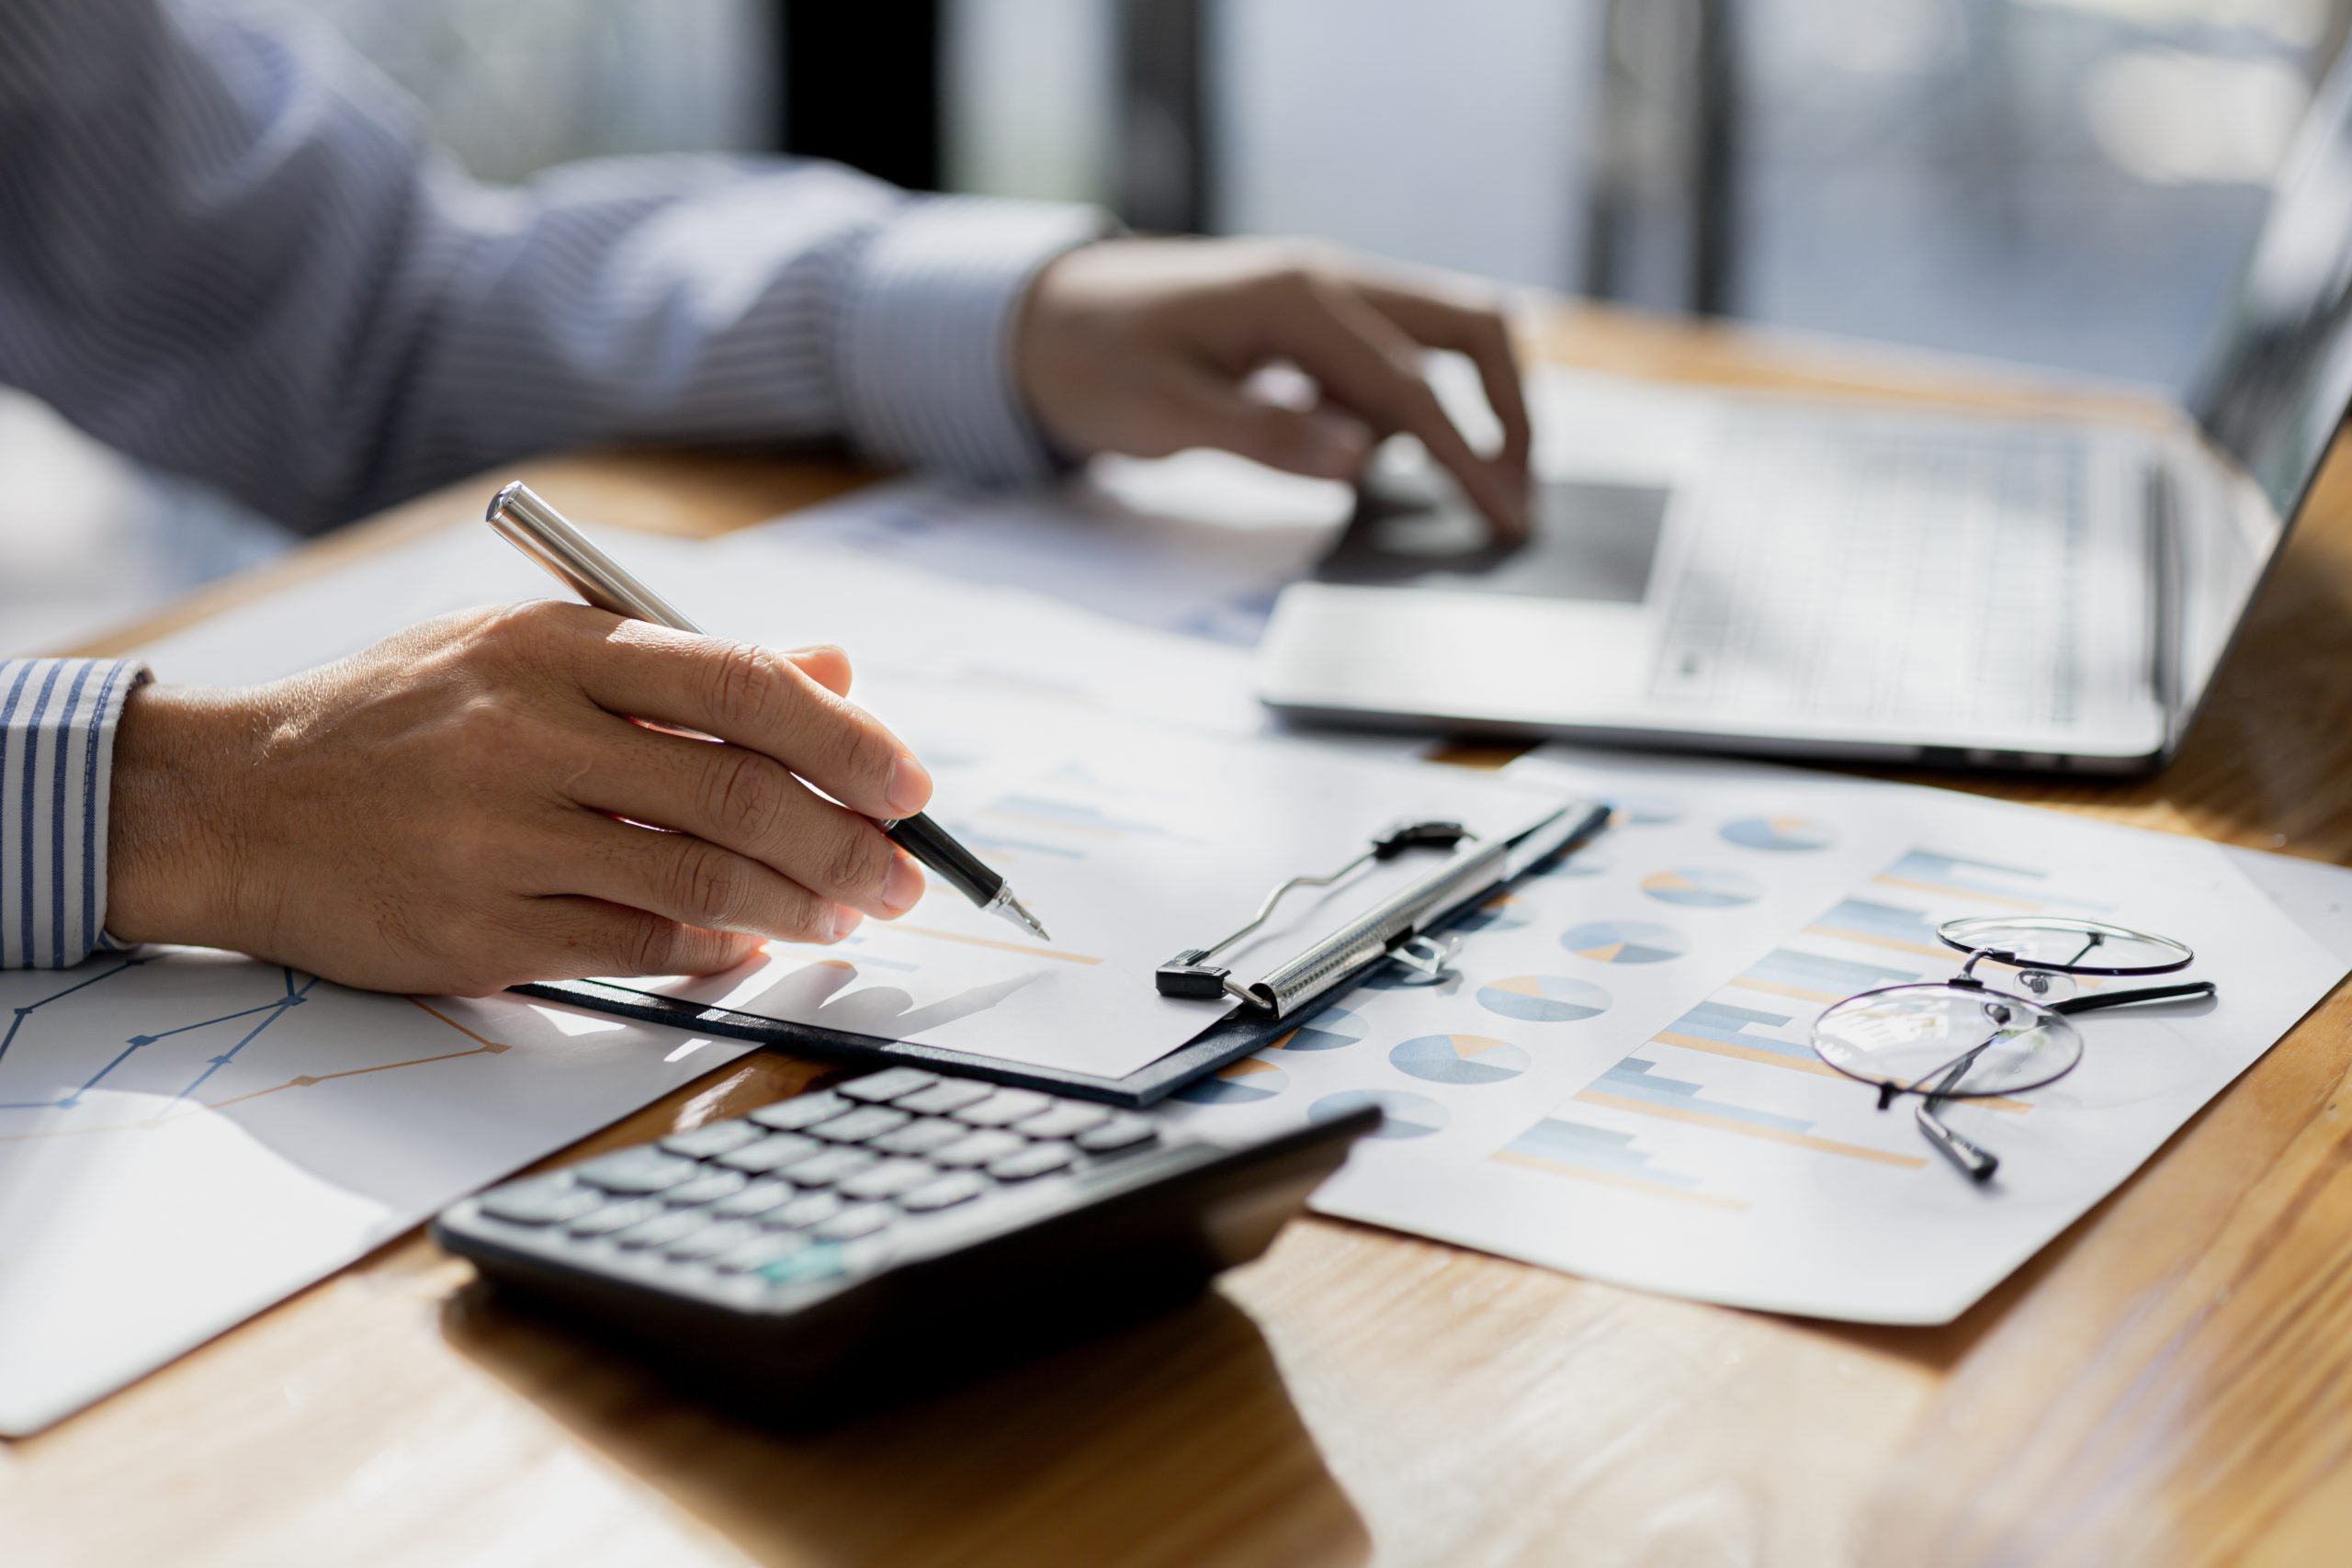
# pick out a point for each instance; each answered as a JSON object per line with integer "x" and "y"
{"x": 1014, "y": 908}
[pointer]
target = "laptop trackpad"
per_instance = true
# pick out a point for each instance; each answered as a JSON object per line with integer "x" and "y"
{"x": 1590, "y": 541}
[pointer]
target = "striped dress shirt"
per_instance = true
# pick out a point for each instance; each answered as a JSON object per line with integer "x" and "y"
{"x": 229, "y": 249}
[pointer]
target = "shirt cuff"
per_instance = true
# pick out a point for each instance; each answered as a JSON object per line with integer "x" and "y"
{"x": 57, "y": 726}
{"x": 924, "y": 341}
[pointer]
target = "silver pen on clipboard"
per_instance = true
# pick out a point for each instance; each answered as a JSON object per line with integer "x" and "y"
{"x": 1398, "y": 928}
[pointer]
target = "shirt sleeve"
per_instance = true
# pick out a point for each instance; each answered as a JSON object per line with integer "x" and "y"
{"x": 57, "y": 723}
{"x": 229, "y": 249}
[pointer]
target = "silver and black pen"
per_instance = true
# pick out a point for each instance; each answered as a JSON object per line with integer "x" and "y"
{"x": 540, "y": 531}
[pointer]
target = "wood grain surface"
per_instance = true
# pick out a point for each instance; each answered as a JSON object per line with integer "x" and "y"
{"x": 2169, "y": 1382}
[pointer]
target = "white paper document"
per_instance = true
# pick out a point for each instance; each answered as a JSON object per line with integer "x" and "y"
{"x": 1621, "y": 1082}
{"x": 1131, "y": 841}
{"x": 187, "y": 1137}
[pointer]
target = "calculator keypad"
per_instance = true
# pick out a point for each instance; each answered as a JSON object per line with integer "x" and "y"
{"x": 798, "y": 1191}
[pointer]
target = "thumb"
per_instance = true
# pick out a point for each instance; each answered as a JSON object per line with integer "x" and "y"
{"x": 1320, "y": 443}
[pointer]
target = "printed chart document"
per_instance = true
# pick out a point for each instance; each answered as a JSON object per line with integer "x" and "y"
{"x": 186, "y": 1137}
{"x": 1131, "y": 841}
{"x": 1621, "y": 1081}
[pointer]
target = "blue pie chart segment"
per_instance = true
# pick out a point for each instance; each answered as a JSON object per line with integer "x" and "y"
{"x": 1625, "y": 942}
{"x": 1244, "y": 1082}
{"x": 1699, "y": 888}
{"x": 1779, "y": 833}
{"x": 1647, "y": 810}
{"x": 1459, "y": 1060}
{"x": 1544, "y": 999}
{"x": 1403, "y": 1116}
{"x": 1330, "y": 1029}
{"x": 1503, "y": 912}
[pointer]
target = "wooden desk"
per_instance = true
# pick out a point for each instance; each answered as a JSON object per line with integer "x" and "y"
{"x": 2170, "y": 1381}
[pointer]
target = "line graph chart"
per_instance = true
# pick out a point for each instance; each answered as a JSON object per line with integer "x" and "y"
{"x": 241, "y": 1128}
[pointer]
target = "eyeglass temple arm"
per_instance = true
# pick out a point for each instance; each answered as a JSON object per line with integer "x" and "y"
{"x": 1975, "y": 1161}
{"x": 2098, "y": 999}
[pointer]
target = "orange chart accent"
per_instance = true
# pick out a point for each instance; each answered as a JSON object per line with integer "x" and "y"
{"x": 1610, "y": 1179}
{"x": 1031, "y": 949}
{"x": 1749, "y": 1130}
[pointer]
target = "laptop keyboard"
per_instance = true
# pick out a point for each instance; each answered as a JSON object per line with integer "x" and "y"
{"x": 1913, "y": 577}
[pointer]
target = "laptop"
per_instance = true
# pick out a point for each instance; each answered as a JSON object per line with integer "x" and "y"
{"x": 1838, "y": 579}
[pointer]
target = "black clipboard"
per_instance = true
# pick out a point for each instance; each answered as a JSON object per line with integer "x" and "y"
{"x": 1237, "y": 1034}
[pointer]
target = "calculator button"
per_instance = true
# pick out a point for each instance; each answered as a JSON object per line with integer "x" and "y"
{"x": 791, "y": 1115}
{"x": 710, "y": 1241}
{"x": 806, "y": 1265}
{"x": 851, "y": 1223}
{"x": 745, "y": 1256}
{"x": 631, "y": 1171}
{"x": 708, "y": 1187}
{"x": 943, "y": 1192}
{"x": 978, "y": 1148}
{"x": 662, "y": 1229}
{"x": 805, "y": 1211}
{"x": 614, "y": 1217}
{"x": 888, "y": 1084}
{"x": 1066, "y": 1120}
{"x": 1117, "y": 1135}
{"x": 946, "y": 1095}
{"x": 753, "y": 1201}
{"x": 542, "y": 1200}
{"x": 833, "y": 1165}
{"x": 1003, "y": 1108}
{"x": 865, "y": 1122}
{"x": 1037, "y": 1159}
{"x": 918, "y": 1137}
{"x": 712, "y": 1139}
{"x": 888, "y": 1179}
{"x": 772, "y": 1153}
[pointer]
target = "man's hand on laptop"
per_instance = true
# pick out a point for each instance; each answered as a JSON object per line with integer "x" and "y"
{"x": 1147, "y": 347}
{"x": 456, "y": 809}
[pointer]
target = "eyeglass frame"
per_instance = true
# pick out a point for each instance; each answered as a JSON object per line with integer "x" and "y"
{"x": 1974, "y": 1160}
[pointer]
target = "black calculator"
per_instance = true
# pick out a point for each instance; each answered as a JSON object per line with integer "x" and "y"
{"x": 855, "y": 1243}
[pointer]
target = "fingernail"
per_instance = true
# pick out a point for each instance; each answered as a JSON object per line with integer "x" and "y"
{"x": 846, "y": 921}
{"x": 903, "y": 887}
{"x": 909, "y": 789}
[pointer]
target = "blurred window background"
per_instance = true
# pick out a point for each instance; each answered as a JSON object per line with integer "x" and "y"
{"x": 2068, "y": 183}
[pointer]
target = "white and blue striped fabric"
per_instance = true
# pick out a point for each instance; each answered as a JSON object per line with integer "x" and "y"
{"x": 229, "y": 249}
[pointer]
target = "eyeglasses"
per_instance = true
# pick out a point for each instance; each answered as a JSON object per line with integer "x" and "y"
{"x": 1968, "y": 1038}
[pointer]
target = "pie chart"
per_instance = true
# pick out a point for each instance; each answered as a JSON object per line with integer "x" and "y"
{"x": 1327, "y": 1030}
{"x": 1782, "y": 833}
{"x": 1648, "y": 810}
{"x": 1503, "y": 912}
{"x": 1625, "y": 942}
{"x": 1699, "y": 888}
{"x": 1544, "y": 999}
{"x": 1459, "y": 1058}
{"x": 1586, "y": 861}
{"x": 1244, "y": 1082}
{"x": 1402, "y": 1115}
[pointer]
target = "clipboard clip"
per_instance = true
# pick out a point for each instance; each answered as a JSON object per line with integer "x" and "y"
{"x": 1192, "y": 976}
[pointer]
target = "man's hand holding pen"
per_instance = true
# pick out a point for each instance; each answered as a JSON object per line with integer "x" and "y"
{"x": 457, "y": 809}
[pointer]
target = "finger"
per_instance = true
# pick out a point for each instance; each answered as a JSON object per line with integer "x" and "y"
{"x": 1363, "y": 359}
{"x": 746, "y": 802}
{"x": 588, "y": 937}
{"x": 826, "y": 665}
{"x": 1197, "y": 410}
{"x": 1479, "y": 333}
{"x": 759, "y": 699}
{"x": 690, "y": 880}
